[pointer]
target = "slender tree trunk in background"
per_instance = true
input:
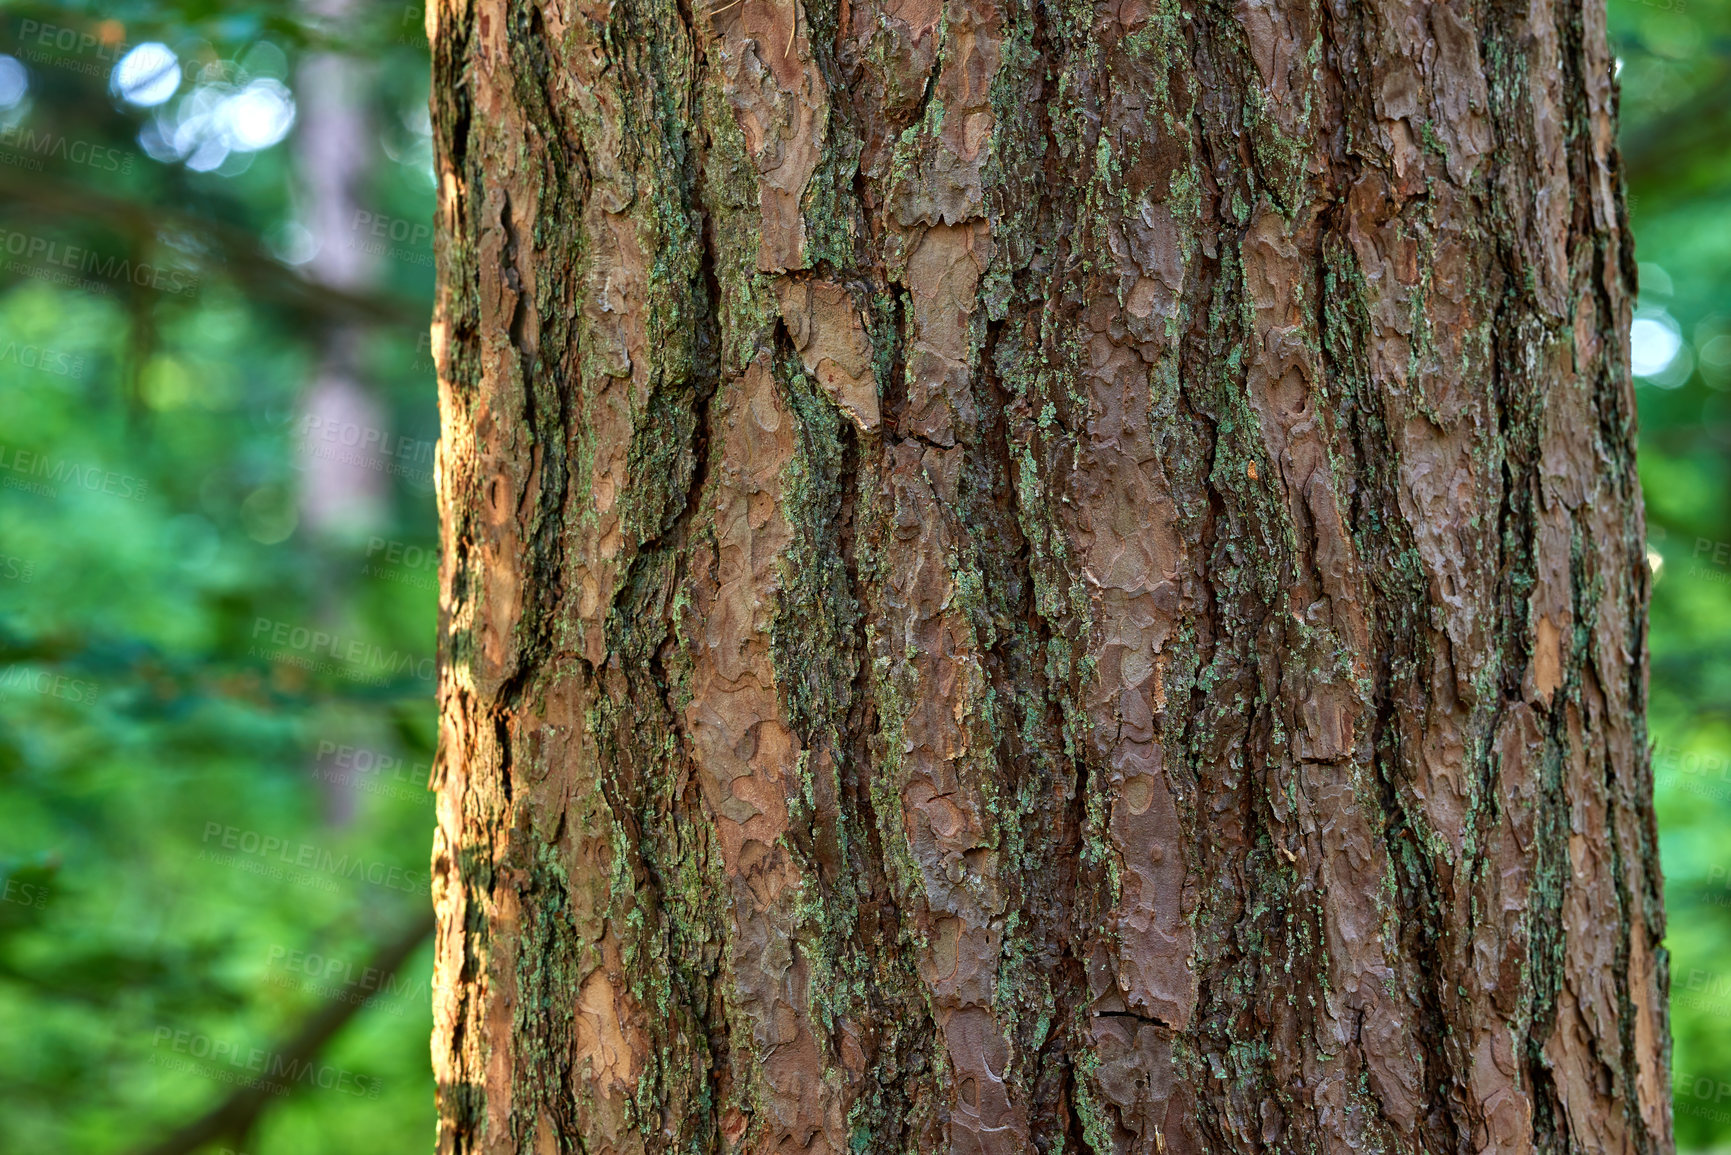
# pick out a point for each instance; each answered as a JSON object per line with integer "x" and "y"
{"x": 344, "y": 491}
{"x": 343, "y": 487}
{"x": 1039, "y": 578}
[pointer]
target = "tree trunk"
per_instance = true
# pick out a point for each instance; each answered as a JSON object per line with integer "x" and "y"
{"x": 1058, "y": 577}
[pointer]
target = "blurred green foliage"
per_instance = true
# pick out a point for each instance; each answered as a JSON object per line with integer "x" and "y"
{"x": 1675, "y": 77}
{"x": 213, "y": 819}
{"x": 210, "y": 824}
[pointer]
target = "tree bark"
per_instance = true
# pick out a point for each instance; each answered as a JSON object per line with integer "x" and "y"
{"x": 1040, "y": 578}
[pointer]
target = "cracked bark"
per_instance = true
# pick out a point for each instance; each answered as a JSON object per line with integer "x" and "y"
{"x": 1039, "y": 578}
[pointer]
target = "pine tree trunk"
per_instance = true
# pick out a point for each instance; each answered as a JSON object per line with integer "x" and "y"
{"x": 1040, "y": 578}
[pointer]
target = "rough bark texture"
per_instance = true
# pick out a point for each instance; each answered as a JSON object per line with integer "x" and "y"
{"x": 1040, "y": 578}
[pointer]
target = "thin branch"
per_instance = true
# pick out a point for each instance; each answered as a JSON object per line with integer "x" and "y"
{"x": 246, "y": 260}
{"x": 237, "y": 1114}
{"x": 1657, "y": 153}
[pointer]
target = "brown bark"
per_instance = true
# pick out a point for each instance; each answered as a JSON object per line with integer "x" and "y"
{"x": 1039, "y": 577}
